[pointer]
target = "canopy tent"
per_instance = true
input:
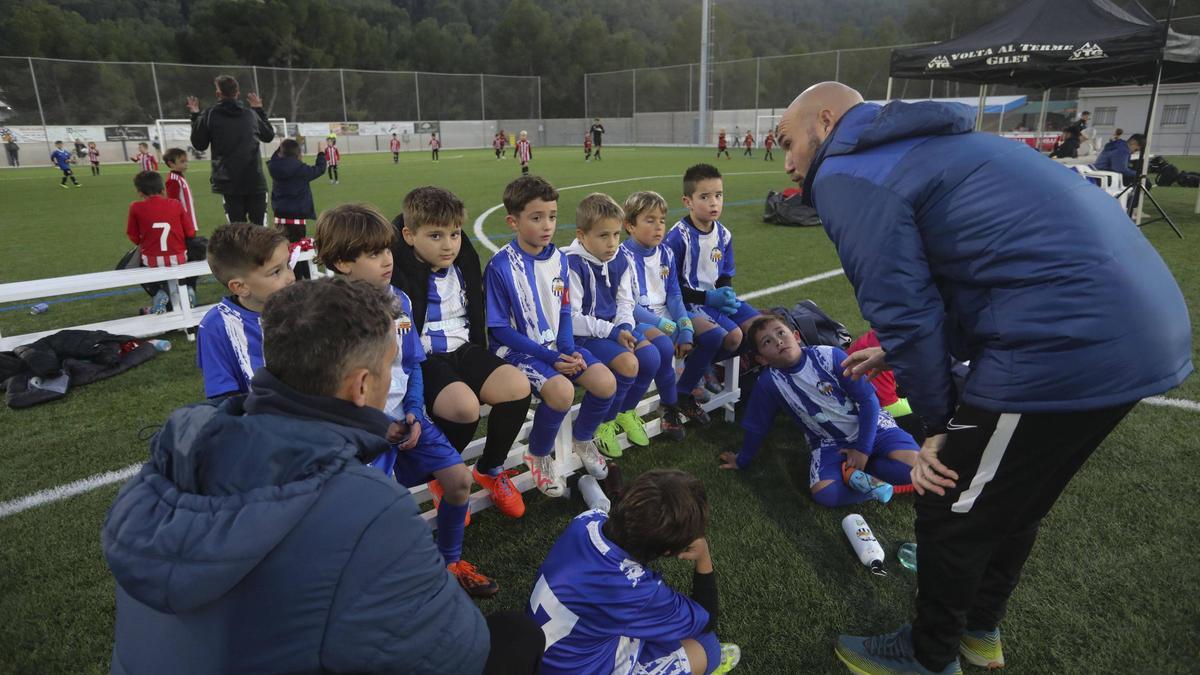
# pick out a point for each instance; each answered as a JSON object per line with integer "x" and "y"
{"x": 1059, "y": 43}
{"x": 1063, "y": 43}
{"x": 992, "y": 105}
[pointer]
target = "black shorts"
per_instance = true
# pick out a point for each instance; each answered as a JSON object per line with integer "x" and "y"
{"x": 470, "y": 364}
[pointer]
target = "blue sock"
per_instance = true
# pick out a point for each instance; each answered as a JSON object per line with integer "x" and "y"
{"x": 665, "y": 377}
{"x": 591, "y": 410}
{"x": 707, "y": 346}
{"x": 450, "y": 525}
{"x": 618, "y": 397}
{"x": 546, "y": 422}
{"x": 837, "y": 494}
{"x": 648, "y": 364}
{"x": 890, "y": 470}
{"x": 712, "y": 649}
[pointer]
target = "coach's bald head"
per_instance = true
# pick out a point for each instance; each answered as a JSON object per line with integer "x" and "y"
{"x": 809, "y": 120}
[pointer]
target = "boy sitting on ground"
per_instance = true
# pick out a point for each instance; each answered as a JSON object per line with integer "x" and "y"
{"x": 250, "y": 261}
{"x": 858, "y": 452}
{"x": 602, "y": 608}
{"x": 355, "y": 240}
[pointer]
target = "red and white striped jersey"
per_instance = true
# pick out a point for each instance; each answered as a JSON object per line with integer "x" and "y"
{"x": 147, "y": 161}
{"x": 333, "y": 156}
{"x": 177, "y": 189}
{"x": 524, "y": 151}
{"x": 497, "y": 144}
{"x": 94, "y": 155}
{"x": 394, "y": 145}
{"x": 156, "y": 225}
{"x": 435, "y": 143}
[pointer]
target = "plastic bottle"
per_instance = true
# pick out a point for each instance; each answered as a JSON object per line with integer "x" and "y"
{"x": 869, "y": 552}
{"x": 40, "y": 308}
{"x": 860, "y": 481}
{"x": 907, "y": 555}
{"x": 593, "y": 496}
{"x": 160, "y": 345}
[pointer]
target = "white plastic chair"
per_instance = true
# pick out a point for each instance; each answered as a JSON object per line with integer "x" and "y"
{"x": 1109, "y": 181}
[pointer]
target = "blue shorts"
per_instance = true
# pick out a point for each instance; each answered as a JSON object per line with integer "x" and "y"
{"x": 744, "y": 313}
{"x": 433, "y": 452}
{"x": 826, "y": 463}
{"x": 603, "y": 349}
{"x": 538, "y": 371}
{"x": 663, "y": 658}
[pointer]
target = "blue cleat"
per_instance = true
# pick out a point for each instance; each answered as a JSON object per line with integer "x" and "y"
{"x": 885, "y": 654}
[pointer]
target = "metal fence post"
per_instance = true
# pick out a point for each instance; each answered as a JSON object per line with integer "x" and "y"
{"x": 38, "y": 96}
{"x": 539, "y": 77}
{"x": 482, "y": 113}
{"x": 254, "y": 71}
{"x": 757, "y": 70}
{"x": 417, "y": 88}
{"x": 837, "y": 66}
{"x": 586, "y": 116}
{"x": 157, "y": 99}
{"x": 342, "y": 80}
{"x": 633, "y": 117}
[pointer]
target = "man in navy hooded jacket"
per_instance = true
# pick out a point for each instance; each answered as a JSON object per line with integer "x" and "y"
{"x": 256, "y": 539}
{"x": 970, "y": 245}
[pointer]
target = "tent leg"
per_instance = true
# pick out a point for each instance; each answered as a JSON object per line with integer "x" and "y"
{"x": 1041, "y": 127}
{"x": 889, "y": 89}
{"x": 982, "y": 103}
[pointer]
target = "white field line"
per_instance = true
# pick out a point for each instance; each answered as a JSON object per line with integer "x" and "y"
{"x": 61, "y": 492}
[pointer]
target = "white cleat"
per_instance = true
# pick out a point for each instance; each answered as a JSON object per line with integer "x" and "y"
{"x": 593, "y": 462}
{"x": 545, "y": 475}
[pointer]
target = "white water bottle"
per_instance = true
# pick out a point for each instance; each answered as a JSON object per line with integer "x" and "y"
{"x": 869, "y": 552}
{"x": 593, "y": 495}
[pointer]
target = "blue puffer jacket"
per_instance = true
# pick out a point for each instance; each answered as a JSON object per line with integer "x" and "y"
{"x": 256, "y": 541}
{"x": 975, "y": 245}
{"x": 291, "y": 195}
{"x": 1115, "y": 157}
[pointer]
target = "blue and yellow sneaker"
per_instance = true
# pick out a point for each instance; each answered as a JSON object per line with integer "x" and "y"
{"x": 982, "y": 648}
{"x": 885, "y": 654}
{"x": 731, "y": 655}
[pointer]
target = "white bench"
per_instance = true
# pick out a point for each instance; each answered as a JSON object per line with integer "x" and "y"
{"x": 183, "y": 316}
{"x": 1109, "y": 181}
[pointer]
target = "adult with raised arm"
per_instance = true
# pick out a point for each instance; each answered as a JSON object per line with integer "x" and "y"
{"x": 968, "y": 245}
{"x": 234, "y": 129}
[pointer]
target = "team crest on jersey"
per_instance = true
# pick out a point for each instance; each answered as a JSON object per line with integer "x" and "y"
{"x": 633, "y": 571}
{"x": 825, "y": 388}
{"x": 403, "y": 323}
{"x": 557, "y": 287}
{"x": 715, "y": 255}
{"x": 664, "y": 271}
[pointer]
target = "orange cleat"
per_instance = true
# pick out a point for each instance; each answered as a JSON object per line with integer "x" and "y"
{"x": 435, "y": 489}
{"x": 505, "y": 495}
{"x": 475, "y": 584}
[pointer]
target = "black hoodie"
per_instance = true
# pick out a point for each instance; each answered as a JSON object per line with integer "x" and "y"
{"x": 234, "y": 131}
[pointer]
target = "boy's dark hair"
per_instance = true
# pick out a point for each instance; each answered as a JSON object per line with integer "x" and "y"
{"x": 349, "y": 230}
{"x": 1140, "y": 139}
{"x": 1119, "y": 131}
{"x": 58, "y": 142}
{"x": 429, "y": 205}
{"x": 661, "y": 514}
{"x": 237, "y": 248}
{"x": 289, "y": 148}
{"x": 316, "y": 332}
{"x": 595, "y": 208}
{"x": 525, "y": 189}
{"x": 173, "y": 155}
{"x": 758, "y": 325}
{"x": 149, "y": 183}
{"x": 143, "y": 144}
{"x": 227, "y": 85}
{"x": 697, "y": 173}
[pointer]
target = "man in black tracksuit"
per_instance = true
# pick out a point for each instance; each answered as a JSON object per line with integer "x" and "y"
{"x": 234, "y": 130}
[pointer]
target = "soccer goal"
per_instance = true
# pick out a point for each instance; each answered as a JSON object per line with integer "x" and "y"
{"x": 763, "y": 124}
{"x": 176, "y": 132}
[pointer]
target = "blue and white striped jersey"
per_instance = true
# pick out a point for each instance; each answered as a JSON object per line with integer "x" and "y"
{"x": 601, "y": 292}
{"x": 409, "y": 355}
{"x": 228, "y": 348}
{"x": 446, "y": 324}
{"x": 654, "y": 278}
{"x": 598, "y": 607}
{"x": 529, "y": 293}
{"x": 702, "y": 258}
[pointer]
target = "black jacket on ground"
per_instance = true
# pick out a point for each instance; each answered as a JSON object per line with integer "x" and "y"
{"x": 412, "y": 276}
{"x": 234, "y": 130}
{"x": 291, "y": 196}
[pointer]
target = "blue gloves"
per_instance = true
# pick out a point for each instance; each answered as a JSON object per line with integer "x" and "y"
{"x": 722, "y": 299}
{"x": 686, "y": 331}
{"x": 667, "y": 326}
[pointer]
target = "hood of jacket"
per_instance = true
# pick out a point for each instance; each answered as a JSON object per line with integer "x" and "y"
{"x": 868, "y": 125}
{"x": 286, "y": 168}
{"x": 576, "y": 248}
{"x": 224, "y": 485}
{"x": 412, "y": 276}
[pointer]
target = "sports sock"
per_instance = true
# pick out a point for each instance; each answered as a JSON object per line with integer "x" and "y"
{"x": 546, "y": 421}
{"x": 591, "y": 410}
{"x": 707, "y": 346}
{"x": 460, "y": 434}
{"x": 504, "y": 423}
{"x": 890, "y": 470}
{"x": 837, "y": 494}
{"x": 648, "y": 364}
{"x": 665, "y": 377}
{"x": 624, "y": 383}
{"x": 712, "y": 649}
{"x": 450, "y": 526}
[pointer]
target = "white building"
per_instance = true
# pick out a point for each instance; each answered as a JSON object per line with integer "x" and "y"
{"x": 1177, "y": 120}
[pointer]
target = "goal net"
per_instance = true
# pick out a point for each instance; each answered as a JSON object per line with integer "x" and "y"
{"x": 763, "y": 124}
{"x": 178, "y": 133}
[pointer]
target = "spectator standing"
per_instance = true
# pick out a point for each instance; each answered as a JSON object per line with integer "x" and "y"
{"x": 12, "y": 150}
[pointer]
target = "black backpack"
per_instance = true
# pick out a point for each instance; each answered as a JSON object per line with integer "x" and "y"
{"x": 779, "y": 210}
{"x": 815, "y": 326}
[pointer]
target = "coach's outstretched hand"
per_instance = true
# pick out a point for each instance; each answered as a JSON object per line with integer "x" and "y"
{"x": 193, "y": 104}
{"x": 929, "y": 473}
{"x": 869, "y": 362}
{"x": 254, "y": 100}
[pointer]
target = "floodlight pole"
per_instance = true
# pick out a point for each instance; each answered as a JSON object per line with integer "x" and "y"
{"x": 702, "y": 127}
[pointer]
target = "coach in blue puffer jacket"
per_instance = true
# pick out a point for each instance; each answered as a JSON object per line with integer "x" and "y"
{"x": 256, "y": 541}
{"x": 973, "y": 245}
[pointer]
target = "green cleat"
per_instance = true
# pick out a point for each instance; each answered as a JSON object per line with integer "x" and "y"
{"x": 982, "y": 648}
{"x": 606, "y": 440}
{"x": 634, "y": 428}
{"x": 731, "y": 655}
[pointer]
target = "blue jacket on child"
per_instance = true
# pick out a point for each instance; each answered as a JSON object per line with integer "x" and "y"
{"x": 1115, "y": 157}
{"x": 255, "y": 540}
{"x": 973, "y": 245}
{"x": 291, "y": 195}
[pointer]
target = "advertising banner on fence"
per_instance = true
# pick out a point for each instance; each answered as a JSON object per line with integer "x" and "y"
{"x": 82, "y": 133}
{"x": 314, "y": 130}
{"x": 429, "y": 127}
{"x": 343, "y": 128}
{"x": 126, "y": 133}
{"x": 384, "y": 128}
{"x": 24, "y": 134}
